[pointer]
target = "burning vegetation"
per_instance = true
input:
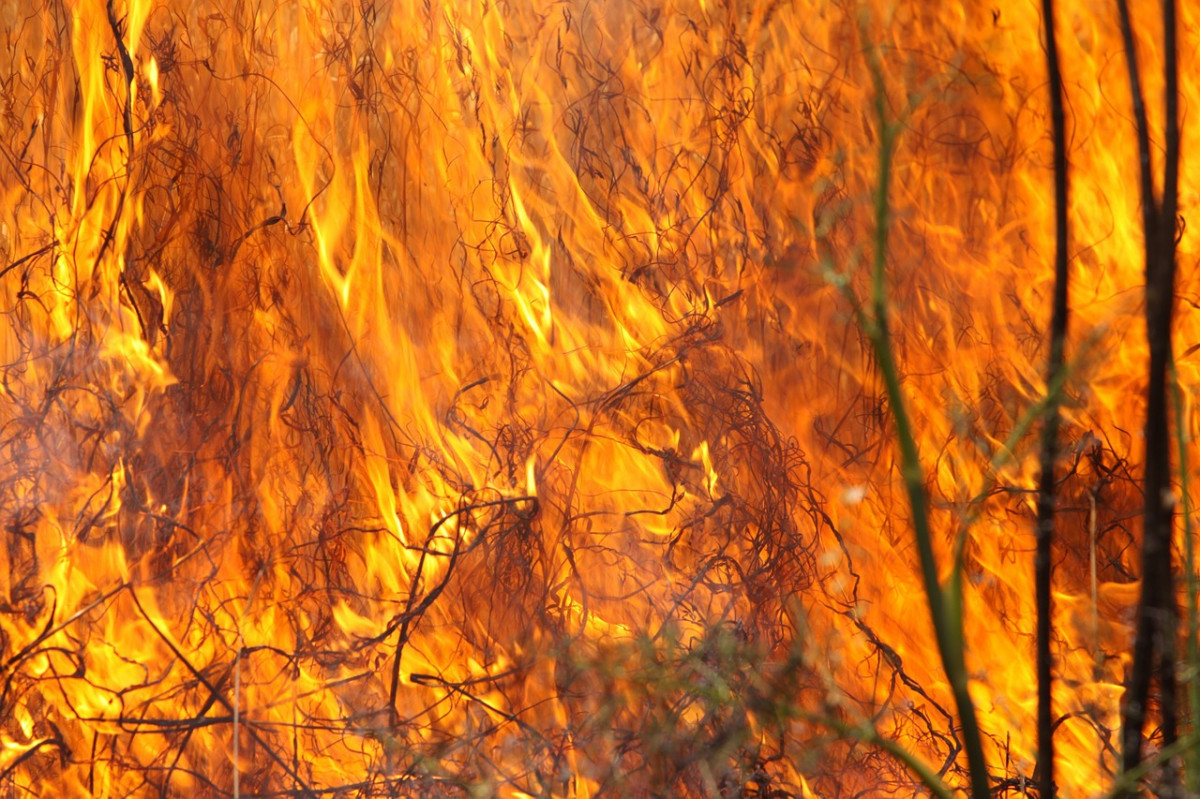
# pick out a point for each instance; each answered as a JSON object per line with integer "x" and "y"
{"x": 581, "y": 399}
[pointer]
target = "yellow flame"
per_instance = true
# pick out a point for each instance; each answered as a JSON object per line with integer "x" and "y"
{"x": 301, "y": 313}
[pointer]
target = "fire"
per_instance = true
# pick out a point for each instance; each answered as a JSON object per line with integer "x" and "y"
{"x": 460, "y": 399}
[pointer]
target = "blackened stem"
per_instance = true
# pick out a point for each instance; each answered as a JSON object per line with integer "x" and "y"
{"x": 1043, "y": 564}
{"x": 1154, "y": 645}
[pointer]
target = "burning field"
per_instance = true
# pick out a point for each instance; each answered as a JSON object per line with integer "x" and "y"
{"x": 581, "y": 399}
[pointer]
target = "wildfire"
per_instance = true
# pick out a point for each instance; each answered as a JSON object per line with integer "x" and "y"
{"x": 466, "y": 399}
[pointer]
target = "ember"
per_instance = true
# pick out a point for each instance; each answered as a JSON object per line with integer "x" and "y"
{"x": 493, "y": 399}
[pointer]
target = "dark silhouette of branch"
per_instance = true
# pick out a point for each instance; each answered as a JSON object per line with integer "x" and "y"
{"x": 414, "y": 609}
{"x": 1054, "y": 372}
{"x": 1154, "y": 647}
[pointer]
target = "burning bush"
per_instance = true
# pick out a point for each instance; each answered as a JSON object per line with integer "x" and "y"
{"x": 478, "y": 399}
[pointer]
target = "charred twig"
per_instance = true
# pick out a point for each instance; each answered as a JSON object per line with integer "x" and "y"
{"x": 30, "y": 752}
{"x": 115, "y": 25}
{"x": 414, "y": 608}
{"x": 40, "y": 251}
{"x": 215, "y": 691}
{"x": 868, "y": 734}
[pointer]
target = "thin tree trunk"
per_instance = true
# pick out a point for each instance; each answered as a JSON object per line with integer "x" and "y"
{"x": 1046, "y": 483}
{"x": 1154, "y": 646}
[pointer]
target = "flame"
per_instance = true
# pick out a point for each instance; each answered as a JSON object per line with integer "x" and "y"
{"x": 460, "y": 399}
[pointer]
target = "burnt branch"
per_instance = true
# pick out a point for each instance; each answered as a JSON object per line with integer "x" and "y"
{"x": 1157, "y": 626}
{"x": 1047, "y": 486}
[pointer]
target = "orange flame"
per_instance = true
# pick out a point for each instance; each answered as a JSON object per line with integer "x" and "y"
{"x": 459, "y": 399}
